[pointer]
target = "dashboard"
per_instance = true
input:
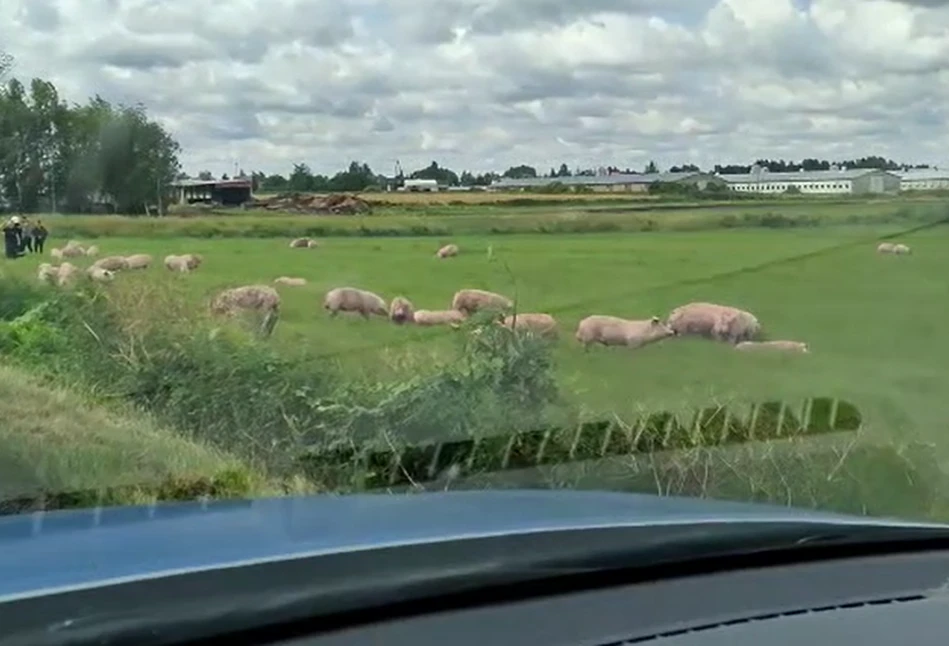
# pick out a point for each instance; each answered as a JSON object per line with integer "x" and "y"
{"x": 901, "y": 599}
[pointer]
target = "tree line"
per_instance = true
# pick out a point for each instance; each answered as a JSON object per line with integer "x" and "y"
{"x": 80, "y": 158}
{"x": 360, "y": 177}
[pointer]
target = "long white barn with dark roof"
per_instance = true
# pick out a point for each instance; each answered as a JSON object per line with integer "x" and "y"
{"x": 849, "y": 181}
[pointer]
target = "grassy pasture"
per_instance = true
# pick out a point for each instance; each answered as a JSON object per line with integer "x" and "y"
{"x": 875, "y": 324}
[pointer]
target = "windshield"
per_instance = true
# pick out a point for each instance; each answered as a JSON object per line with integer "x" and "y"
{"x": 691, "y": 248}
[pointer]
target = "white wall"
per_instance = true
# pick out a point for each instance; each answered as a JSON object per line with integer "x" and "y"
{"x": 832, "y": 187}
{"x": 924, "y": 184}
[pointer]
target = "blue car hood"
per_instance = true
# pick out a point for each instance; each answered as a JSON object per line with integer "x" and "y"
{"x": 45, "y": 552}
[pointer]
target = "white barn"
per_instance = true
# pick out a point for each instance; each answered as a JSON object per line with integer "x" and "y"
{"x": 823, "y": 182}
{"x": 924, "y": 179}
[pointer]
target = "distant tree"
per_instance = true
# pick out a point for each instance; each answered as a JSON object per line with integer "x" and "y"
{"x": 520, "y": 172}
{"x": 301, "y": 178}
{"x": 205, "y": 176}
{"x": 651, "y": 168}
{"x": 444, "y": 176}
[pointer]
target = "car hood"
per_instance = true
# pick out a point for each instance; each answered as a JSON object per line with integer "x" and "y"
{"x": 44, "y": 552}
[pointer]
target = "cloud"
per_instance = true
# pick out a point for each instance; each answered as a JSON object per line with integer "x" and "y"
{"x": 486, "y": 84}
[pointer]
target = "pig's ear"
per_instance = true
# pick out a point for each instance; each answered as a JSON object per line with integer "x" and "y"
{"x": 655, "y": 320}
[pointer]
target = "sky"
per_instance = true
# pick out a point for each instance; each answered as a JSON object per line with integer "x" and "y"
{"x": 487, "y": 84}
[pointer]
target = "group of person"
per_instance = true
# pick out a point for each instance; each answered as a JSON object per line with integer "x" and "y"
{"x": 21, "y": 236}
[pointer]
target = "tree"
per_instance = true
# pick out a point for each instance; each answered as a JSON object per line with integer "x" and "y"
{"x": 67, "y": 157}
{"x": 6, "y": 64}
{"x": 444, "y": 176}
{"x": 520, "y": 172}
{"x": 301, "y": 179}
{"x": 651, "y": 168}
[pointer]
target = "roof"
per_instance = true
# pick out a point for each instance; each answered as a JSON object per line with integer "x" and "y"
{"x": 802, "y": 176}
{"x": 595, "y": 180}
{"x": 218, "y": 183}
{"x": 923, "y": 174}
{"x": 42, "y": 552}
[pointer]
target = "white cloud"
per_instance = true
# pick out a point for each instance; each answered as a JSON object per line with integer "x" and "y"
{"x": 475, "y": 84}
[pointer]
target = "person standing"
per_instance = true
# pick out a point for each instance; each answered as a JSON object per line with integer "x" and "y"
{"x": 13, "y": 238}
{"x": 26, "y": 238}
{"x": 39, "y": 233}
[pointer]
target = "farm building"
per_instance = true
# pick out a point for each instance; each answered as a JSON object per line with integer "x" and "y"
{"x": 924, "y": 179}
{"x": 228, "y": 192}
{"x": 615, "y": 182}
{"x": 844, "y": 181}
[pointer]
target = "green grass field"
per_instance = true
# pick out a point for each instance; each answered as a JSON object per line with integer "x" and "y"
{"x": 875, "y": 324}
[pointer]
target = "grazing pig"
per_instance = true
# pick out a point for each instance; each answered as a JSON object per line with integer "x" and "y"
{"x": 262, "y": 299}
{"x": 612, "y": 330}
{"x": 712, "y": 321}
{"x": 290, "y": 281}
{"x": 402, "y": 311}
{"x": 100, "y": 274}
{"x": 470, "y": 301}
{"x": 112, "y": 263}
{"x": 47, "y": 273}
{"x": 736, "y": 326}
{"x": 885, "y": 247}
{"x": 67, "y": 273}
{"x": 183, "y": 264}
{"x": 789, "y": 346}
{"x": 541, "y": 324}
{"x": 448, "y": 251}
{"x": 901, "y": 249}
{"x": 350, "y": 299}
{"x": 425, "y": 318}
{"x": 138, "y": 261}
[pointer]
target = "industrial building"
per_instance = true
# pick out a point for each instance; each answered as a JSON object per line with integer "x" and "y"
{"x": 227, "y": 192}
{"x": 924, "y": 179}
{"x": 610, "y": 183}
{"x": 835, "y": 181}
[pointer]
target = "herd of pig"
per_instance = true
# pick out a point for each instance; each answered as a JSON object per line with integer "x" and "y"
{"x": 700, "y": 319}
{"x": 104, "y": 269}
{"x": 708, "y": 320}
